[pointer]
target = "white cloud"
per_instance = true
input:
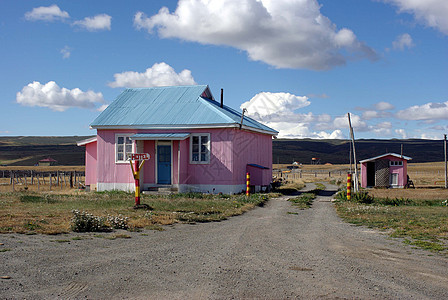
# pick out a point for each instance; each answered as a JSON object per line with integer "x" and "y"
{"x": 160, "y": 74}
{"x": 357, "y": 123}
{"x": 403, "y": 41}
{"x": 302, "y": 130}
{"x": 402, "y": 133}
{"x": 281, "y": 33}
{"x": 274, "y": 107}
{"x": 50, "y": 95}
{"x": 278, "y": 111}
{"x": 95, "y": 23}
{"x": 432, "y": 13}
{"x": 66, "y": 52}
{"x": 370, "y": 114}
{"x": 427, "y": 112}
{"x": 384, "y": 106}
{"x": 46, "y": 13}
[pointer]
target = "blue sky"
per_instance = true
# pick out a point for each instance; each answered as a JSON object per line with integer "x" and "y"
{"x": 298, "y": 66}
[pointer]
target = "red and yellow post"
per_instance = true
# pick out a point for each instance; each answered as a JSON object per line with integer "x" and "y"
{"x": 349, "y": 186}
{"x": 247, "y": 184}
{"x": 139, "y": 160}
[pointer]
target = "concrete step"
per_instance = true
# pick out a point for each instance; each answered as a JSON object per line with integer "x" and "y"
{"x": 161, "y": 190}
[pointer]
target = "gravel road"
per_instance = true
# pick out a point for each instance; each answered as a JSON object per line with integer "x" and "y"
{"x": 266, "y": 253}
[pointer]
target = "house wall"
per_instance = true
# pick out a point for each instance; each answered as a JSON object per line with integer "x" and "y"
{"x": 230, "y": 151}
{"x": 364, "y": 175}
{"x": 91, "y": 163}
{"x": 400, "y": 170}
{"x": 252, "y": 148}
{"x": 111, "y": 175}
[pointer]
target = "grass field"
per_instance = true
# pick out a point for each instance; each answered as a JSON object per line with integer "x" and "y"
{"x": 50, "y": 213}
{"x": 420, "y": 216}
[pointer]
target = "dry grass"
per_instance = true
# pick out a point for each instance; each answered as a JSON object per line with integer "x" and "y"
{"x": 50, "y": 213}
{"x": 417, "y": 194}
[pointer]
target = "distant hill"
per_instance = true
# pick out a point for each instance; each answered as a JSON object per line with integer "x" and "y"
{"x": 28, "y": 150}
{"x": 337, "y": 151}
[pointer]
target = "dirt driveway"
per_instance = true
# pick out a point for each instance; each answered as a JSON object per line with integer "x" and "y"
{"x": 266, "y": 253}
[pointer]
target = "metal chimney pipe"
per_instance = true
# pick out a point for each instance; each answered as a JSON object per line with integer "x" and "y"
{"x": 222, "y": 98}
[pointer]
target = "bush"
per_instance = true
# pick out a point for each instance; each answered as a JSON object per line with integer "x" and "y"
{"x": 360, "y": 197}
{"x": 85, "y": 222}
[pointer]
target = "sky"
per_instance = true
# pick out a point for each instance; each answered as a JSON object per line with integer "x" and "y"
{"x": 298, "y": 66}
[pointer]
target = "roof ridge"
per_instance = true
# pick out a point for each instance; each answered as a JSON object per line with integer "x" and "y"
{"x": 168, "y": 86}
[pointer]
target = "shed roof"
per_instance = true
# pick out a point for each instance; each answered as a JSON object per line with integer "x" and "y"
{"x": 384, "y": 155}
{"x": 172, "y": 107}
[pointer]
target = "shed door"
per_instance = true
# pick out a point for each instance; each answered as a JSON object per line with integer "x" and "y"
{"x": 370, "y": 173}
{"x": 164, "y": 164}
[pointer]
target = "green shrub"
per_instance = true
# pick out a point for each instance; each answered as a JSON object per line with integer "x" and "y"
{"x": 360, "y": 197}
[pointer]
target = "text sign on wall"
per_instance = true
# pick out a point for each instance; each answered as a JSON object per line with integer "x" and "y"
{"x": 138, "y": 156}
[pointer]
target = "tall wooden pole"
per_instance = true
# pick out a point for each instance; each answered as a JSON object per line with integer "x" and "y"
{"x": 352, "y": 136}
{"x": 446, "y": 174}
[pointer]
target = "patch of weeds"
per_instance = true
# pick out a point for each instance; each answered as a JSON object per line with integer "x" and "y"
{"x": 360, "y": 197}
{"x": 101, "y": 236}
{"x": 144, "y": 234}
{"x": 5, "y": 250}
{"x": 61, "y": 241}
{"x": 303, "y": 201}
{"x": 154, "y": 227}
{"x": 77, "y": 238}
{"x": 37, "y": 198}
{"x": 320, "y": 186}
{"x": 31, "y": 226}
{"x": 85, "y": 222}
{"x": 433, "y": 246}
{"x": 292, "y": 213}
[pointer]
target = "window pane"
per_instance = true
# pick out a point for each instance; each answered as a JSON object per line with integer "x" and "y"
{"x": 204, "y": 140}
{"x": 120, "y": 156}
{"x": 195, "y": 157}
{"x": 120, "y": 148}
{"x": 195, "y": 148}
{"x": 128, "y": 148}
{"x": 120, "y": 140}
{"x": 128, "y": 140}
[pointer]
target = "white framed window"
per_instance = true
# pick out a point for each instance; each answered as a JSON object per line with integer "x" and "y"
{"x": 200, "y": 148}
{"x": 123, "y": 146}
{"x": 395, "y": 163}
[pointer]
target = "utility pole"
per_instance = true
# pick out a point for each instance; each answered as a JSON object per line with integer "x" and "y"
{"x": 444, "y": 148}
{"x": 352, "y": 136}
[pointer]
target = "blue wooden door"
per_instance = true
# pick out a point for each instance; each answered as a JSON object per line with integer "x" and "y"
{"x": 164, "y": 164}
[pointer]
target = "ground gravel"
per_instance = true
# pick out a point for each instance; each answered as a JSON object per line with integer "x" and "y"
{"x": 271, "y": 252}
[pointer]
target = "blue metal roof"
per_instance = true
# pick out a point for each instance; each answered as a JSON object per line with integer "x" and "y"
{"x": 160, "y": 136}
{"x": 171, "y": 107}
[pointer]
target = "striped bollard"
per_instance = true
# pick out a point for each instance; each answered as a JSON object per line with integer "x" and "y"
{"x": 247, "y": 184}
{"x": 349, "y": 186}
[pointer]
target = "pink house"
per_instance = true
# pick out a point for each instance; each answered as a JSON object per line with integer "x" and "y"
{"x": 195, "y": 143}
{"x": 387, "y": 170}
